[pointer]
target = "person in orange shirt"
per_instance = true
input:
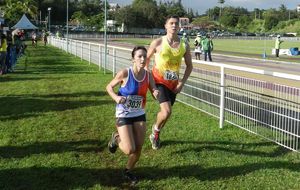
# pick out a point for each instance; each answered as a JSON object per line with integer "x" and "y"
{"x": 169, "y": 51}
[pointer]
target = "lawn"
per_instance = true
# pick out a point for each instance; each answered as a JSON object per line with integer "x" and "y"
{"x": 56, "y": 120}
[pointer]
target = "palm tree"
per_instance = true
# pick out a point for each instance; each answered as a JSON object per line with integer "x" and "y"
{"x": 221, "y": 2}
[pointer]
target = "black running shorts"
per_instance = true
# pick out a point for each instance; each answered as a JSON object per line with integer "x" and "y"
{"x": 129, "y": 121}
{"x": 165, "y": 94}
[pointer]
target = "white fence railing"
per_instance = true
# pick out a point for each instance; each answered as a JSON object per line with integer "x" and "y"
{"x": 120, "y": 35}
{"x": 251, "y": 100}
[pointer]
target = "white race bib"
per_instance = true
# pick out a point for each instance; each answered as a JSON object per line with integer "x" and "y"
{"x": 134, "y": 102}
{"x": 170, "y": 75}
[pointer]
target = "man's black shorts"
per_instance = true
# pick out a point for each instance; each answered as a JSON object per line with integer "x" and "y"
{"x": 129, "y": 121}
{"x": 165, "y": 94}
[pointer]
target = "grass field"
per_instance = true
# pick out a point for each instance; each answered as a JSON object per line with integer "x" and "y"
{"x": 56, "y": 120}
{"x": 246, "y": 48}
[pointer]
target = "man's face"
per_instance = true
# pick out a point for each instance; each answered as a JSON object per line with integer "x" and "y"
{"x": 172, "y": 26}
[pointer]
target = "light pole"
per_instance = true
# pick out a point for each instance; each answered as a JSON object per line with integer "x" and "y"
{"x": 105, "y": 36}
{"x": 49, "y": 11}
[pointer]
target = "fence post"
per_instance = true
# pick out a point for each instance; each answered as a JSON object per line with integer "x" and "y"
{"x": 222, "y": 97}
{"x": 114, "y": 61}
{"x": 90, "y": 53}
{"x": 61, "y": 44}
{"x": 81, "y": 50}
{"x": 99, "y": 57}
{"x": 76, "y": 48}
{"x": 105, "y": 59}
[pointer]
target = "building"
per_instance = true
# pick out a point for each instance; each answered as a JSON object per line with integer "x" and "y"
{"x": 298, "y": 8}
{"x": 184, "y": 23}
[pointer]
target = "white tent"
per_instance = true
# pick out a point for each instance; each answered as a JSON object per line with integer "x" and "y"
{"x": 24, "y": 24}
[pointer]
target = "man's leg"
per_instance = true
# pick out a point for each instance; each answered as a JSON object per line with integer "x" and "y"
{"x": 209, "y": 55}
{"x": 161, "y": 119}
{"x": 166, "y": 99}
{"x": 277, "y": 52}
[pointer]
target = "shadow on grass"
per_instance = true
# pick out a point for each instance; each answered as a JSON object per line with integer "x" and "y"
{"x": 22, "y": 79}
{"x": 51, "y": 147}
{"x": 18, "y": 107}
{"x": 232, "y": 147}
{"x": 72, "y": 178}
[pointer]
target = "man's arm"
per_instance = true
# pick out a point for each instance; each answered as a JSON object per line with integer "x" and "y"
{"x": 188, "y": 63}
{"x": 151, "y": 51}
{"x": 188, "y": 69}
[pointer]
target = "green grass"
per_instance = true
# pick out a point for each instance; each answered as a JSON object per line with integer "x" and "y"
{"x": 56, "y": 120}
{"x": 245, "y": 48}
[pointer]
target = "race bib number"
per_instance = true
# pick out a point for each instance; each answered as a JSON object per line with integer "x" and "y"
{"x": 134, "y": 102}
{"x": 170, "y": 75}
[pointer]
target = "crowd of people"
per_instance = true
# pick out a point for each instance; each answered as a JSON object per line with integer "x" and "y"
{"x": 11, "y": 48}
{"x": 203, "y": 44}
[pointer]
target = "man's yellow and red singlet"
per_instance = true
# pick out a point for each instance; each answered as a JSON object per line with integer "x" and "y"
{"x": 167, "y": 64}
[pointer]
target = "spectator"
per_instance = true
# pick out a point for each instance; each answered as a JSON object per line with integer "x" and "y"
{"x": 198, "y": 46}
{"x": 207, "y": 47}
{"x": 33, "y": 39}
{"x": 278, "y": 41}
{"x": 45, "y": 37}
{"x": 185, "y": 38}
{"x": 3, "y": 50}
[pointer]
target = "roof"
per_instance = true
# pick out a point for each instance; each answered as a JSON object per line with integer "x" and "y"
{"x": 24, "y": 24}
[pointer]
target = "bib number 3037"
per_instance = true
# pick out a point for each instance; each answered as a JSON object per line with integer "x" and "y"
{"x": 134, "y": 102}
{"x": 170, "y": 75}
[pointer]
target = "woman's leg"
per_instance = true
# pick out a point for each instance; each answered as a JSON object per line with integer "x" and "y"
{"x": 126, "y": 139}
{"x": 139, "y": 133}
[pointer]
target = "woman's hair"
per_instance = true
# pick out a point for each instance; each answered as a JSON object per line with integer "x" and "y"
{"x": 136, "y": 48}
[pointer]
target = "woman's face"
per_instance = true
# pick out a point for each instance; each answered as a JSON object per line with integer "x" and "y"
{"x": 139, "y": 58}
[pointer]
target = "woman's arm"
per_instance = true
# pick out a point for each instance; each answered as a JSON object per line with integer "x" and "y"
{"x": 113, "y": 83}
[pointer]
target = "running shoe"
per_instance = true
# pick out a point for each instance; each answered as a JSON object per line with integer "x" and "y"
{"x": 128, "y": 176}
{"x": 112, "y": 144}
{"x": 154, "y": 139}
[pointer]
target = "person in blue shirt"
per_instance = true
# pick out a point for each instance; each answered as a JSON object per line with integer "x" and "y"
{"x": 130, "y": 109}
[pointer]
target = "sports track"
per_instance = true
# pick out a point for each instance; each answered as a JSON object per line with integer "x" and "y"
{"x": 263, "y": 64}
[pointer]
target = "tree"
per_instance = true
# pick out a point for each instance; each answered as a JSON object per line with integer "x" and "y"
{"x": 146, "y": 13}
{"x": 228, "y": 20}
{"x": 213, "y": 13}
{"x": 125, "y": 15}
{"x": 221, "y": 2}
{"x": 203, "y": 22}
{"x": 230, "y": 16}
{"x": 176, "y": 9}
{"x": 13, "y": 10}
{"x": 243, "y": 22}
{"x": 283, "y": 12}
{"x": 271, "y": 21}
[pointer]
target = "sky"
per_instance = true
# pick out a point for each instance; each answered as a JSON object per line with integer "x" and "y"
{"x": 202, "y": 5}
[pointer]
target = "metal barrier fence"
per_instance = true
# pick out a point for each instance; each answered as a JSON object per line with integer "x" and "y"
{"x": 252, "y": 103}
{"x": 120, "y": 35}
